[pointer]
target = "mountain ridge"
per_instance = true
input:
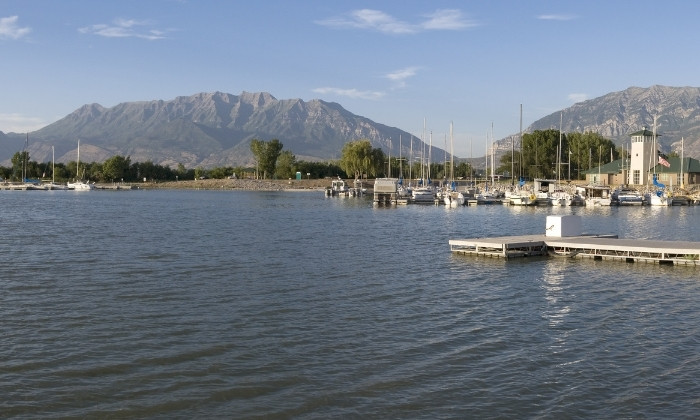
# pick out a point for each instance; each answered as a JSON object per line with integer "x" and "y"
{"x": 210, "y": 129}
{"x": 616, "y": 115}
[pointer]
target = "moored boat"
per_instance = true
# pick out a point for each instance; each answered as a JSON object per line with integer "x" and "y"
{"x": 595, "y": 195}
{"x": 624, "y": 196}
{"x": 337, "y": 188}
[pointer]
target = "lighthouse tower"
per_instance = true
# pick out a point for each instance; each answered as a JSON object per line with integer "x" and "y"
{"x": 642, "y": 154}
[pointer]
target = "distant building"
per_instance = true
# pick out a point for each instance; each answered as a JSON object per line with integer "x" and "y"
{"x": 642, "y": 154}
{"x": 671, "y": 176}
{"x": 613, "y": 173}
{"x": 643, "y": 163}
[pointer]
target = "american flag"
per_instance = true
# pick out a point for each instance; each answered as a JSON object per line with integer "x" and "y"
{"x": 663, "y": 160}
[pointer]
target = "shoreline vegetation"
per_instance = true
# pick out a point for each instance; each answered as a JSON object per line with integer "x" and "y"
{"x": 236, "y": 184}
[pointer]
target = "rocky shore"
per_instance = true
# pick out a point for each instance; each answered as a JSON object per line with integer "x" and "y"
{"x": 237, "y": 184}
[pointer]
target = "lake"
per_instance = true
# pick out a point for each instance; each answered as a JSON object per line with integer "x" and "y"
{"x": 234, "y": 304}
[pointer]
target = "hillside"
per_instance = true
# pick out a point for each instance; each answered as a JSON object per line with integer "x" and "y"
{"x": 206, "y": 129}
{"x": 618, "y": 114}
{"x": 215, "y": 129}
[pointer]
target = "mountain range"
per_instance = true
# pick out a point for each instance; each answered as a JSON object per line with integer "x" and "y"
{"x": 215, "y": 129}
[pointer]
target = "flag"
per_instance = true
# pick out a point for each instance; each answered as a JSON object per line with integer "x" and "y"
{"x": 663, "y": 160}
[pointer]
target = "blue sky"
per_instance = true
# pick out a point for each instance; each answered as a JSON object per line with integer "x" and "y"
{"x": 395, "y": 62}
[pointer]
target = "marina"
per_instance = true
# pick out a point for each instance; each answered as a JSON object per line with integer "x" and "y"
{"x": 577, "y": 245}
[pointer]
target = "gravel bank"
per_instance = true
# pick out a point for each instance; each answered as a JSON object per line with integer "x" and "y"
{"x": 238, "y": 184}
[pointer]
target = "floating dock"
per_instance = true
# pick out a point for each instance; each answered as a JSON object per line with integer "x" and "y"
{"x": 597, "y": 247}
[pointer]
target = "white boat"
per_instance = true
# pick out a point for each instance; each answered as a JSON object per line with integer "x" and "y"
{"x": 543, "y": 189}
{"x": 453, "y": 198}
{"x": 79, "y": 185}
{"x": 337, "y": 188}
{"x": 627, "y": 197}
{"x": 521, "y": 198}
{"x": 595, "y": 195}
{"x": 450, "y": 196}
{"x": 659, "y": 197}
{"x": 358, "y": 190}
{"x": 386, "y": 191}
{"x": 560, "y": 198}
{"x": 52, "y": 186}
{"x": 423, "y": 195}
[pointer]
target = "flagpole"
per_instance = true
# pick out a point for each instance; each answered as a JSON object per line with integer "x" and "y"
{"x": 682, "y": 181}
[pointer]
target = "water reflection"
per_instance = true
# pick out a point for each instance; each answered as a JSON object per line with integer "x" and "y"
{"x": 557, "y": 303}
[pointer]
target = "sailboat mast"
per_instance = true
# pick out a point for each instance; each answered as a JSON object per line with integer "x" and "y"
{"x": 400, "y": 160}
{"x": 422, "y": 155}
{"x": 24, "y": 159}
{"x": 512, "y": 160}
{"x": 561, "y": 119}
{"x": 445, "y": 161}
{"x": 493, "y": 163}
{"x": 682, "y": 181}
{"x": 410, "y": 165}
{"x": 389, "y": 169}
{"x": 486, "y": 161}
{"x": 430, "y": 153}
{"x": 521, "y": 140}
{"x": 654, "y": 153}
{"x": 452, "y": 155}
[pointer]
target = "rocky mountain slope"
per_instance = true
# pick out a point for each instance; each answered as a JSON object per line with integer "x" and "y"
{"x": 215, "y": 129}
{"x": 618, "y": 114}
{"x": 206, "y": 129}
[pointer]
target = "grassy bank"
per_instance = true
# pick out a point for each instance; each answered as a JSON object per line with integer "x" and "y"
{"x": 237, "y": 184}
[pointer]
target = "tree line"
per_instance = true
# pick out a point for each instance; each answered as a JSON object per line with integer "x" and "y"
{"x": 541, "y": 156}
{"x": 121, "y": 169}
{"x": 358, "y": 160}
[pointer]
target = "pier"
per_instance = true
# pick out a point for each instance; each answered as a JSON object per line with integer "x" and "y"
{"x": 597, "y": 247}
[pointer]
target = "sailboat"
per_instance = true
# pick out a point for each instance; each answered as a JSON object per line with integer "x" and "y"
{"x": 453, "y": 198}
{"x": 79, "y": 185}
{"x": 424, "y": 192}
{"x": 658, "y": 197}
{"x": 53, "y": 185}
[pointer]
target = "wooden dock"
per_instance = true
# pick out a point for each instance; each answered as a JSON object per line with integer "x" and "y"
{"x": 597, "y": 247}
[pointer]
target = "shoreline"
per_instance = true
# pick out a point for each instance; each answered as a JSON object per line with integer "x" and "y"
{"x": 237, "y": 184}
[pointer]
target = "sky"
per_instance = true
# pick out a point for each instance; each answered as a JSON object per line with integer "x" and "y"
{"x": 403, "y": 63}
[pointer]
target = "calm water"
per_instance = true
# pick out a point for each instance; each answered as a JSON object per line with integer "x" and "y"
{"x": 182, "y": 304}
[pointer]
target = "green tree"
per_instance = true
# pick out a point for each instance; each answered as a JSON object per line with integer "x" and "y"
{"x": 286, "y": 165}
{"x": 510, "y": 162}
{"x": 266, "y": 154}
{"x": 20, "y": 161}
{"x": 540, "y": 153}
{"x": 585, "y": 150}
{"x": 463, "y": 170}
{"x": 115, "y": 168}
{"x": 358, "y": 157}
{"x": 181, "y": 170}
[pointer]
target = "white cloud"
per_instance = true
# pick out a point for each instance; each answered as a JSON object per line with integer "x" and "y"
{"x": 442, "y": 19}
{"x": 350, "y": 93}
{"x": 10, "y": 30}
{"x": 18, "y": 123}
{"x": 447, "y": 20}
{"x": 556, "y": 17}
{"x": 124, "y": 28}
{"x": 577, "y": 97}
{"x": 399, "y": 76}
